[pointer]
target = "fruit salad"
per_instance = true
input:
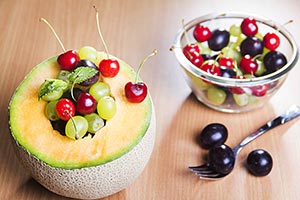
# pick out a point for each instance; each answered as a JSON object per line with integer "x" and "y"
{"x": 237, "y": 61}
{"x": 78, "y": 102}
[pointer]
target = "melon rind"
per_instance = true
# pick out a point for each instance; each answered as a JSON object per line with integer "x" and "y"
{"x": 96, "y": 179}
{"x": 75, "y": 159}
{"x": 92, "y": 182}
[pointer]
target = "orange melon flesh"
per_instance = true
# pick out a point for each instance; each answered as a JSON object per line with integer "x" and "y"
{"x": 33, "y": 131}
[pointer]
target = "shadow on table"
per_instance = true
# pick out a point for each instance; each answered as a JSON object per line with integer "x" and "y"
{"x": 177, "y": 146}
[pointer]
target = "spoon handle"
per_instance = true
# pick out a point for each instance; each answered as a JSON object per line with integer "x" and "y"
{"x": 291, "y": 113}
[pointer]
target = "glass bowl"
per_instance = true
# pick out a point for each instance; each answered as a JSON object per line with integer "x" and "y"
{"x": 234, "y": 95}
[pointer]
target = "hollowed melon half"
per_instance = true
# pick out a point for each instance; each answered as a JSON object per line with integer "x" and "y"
{"x": 92, "y": 167}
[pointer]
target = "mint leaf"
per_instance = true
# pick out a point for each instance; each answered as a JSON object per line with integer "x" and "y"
{"x": 81, "y": 74}
{"x": 51, "y": 85}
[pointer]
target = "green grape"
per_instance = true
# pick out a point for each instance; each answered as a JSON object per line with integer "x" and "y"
{"x": 241, "y": 99}
{"x": 238, "y": 72}
{"x": 106, "y": 107}
{"x": 51, "y": 111}
{"x": 204, "y": 49}
{"x": 259, "y": 36}
{"x": 235, "y": 30}
{"x": 99, "y": 90}
{"x": 261, "y": 68}
{"x": 231, "y": 53}
{"x": 63, "y": 75}
{"x": 95, "y": 122}
{"x": 216, "y": 96}
{"x": 240, "y": 39}
{"x": 88, "y": 53}
{"x": 265, "y": 51}
{"x": 54, "y": 95}
{"x": 76, "y": 127}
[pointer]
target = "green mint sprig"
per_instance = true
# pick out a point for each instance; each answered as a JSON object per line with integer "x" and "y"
{"x": 51, "y": 85}
{"x": 81, "y": 74}
{"x": 78, "y": 76}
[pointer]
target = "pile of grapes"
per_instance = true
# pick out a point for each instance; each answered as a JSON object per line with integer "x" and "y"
{"x": 221, "y": 157}
{"x": 77, "y": 102}
{"x": 241, "y": 52}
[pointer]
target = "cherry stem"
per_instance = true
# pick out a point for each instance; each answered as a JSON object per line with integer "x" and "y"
{"x": 74, "y": 123}
{"x": 72, "y": 91}
{"x": 142, "y": 63}
{"x": 55, "y": 34}
{"x": 99, "y": 32}
{"x": 185, "y": 33}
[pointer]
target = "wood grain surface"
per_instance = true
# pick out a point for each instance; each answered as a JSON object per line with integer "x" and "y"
{"x": 132, "y": 29}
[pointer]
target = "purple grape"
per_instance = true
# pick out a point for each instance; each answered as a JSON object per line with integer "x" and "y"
{"x": 274, "y": 60}
{"x": 88, "y": 63}
{"x": 227, "y": 72}
{"x": 259, "y": 162}
{"x": 221, "y": 159}
{"x": 252, "y": 46}
{"x": 212, "y": 135}
{"x": 218, "y": 40}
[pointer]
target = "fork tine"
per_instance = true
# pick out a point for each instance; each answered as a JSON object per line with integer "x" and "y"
{"x": 204, "y": 167}
{"x": 215, "y": 178}
{"x": 207, "y": 174}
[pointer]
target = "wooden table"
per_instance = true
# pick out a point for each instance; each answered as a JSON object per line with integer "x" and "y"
{"x": 132, "y": 29}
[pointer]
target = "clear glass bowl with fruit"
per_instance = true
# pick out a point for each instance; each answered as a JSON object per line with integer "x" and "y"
{"x": 234, "y": 62}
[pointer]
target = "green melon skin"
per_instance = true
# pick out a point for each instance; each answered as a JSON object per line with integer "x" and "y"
{"x": 92, "y": 182}
{"x": 89, "y": 180}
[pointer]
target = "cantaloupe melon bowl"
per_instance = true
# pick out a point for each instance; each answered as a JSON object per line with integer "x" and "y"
{"x": 90, "y": 167}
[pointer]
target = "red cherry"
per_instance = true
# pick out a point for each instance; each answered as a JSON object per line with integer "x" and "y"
{"x": 211, "y": 68}
{"x": 65, "y": 109}
{"x": 226, "y": 62}
{"x": 260, "y": 90}
{"x": 68, "y": 60}
{"x": 201, "y": 33}
{"x": 248, "y": 65}
{"x": 86, "y": 104}
{"x": 271, "y": 41}
{"x": 237, "y": 90}
{"x": 109, "y": 67}
{"x": 192, "y": 53}
{"x": 197, "y": 61}
{"x": 136, "y": 92}
{"x": 249, "y": 26}
{"x": 190, "y": 49}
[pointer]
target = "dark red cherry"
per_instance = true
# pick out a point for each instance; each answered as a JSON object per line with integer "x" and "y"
{"x": 271, "y": 41}
{"x": 65, "y": 109}
{"x": 211, "y": 68}
{"x": 68, "y": 60}
{"x": 109, "y": 67}
{"x": 249, "y": 26}
{"x": 226, "y": 62}
{"x": 248, "y": 65}
{"x": 192, "y": 53}
{"x": 260, "y": 90}
{"x": 201, "y": 33}
{"x": 136, "y": 92}
{"x": 86, "y": 103}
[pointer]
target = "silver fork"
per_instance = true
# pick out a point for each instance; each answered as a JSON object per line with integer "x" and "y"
{"x": 206, "y": 172}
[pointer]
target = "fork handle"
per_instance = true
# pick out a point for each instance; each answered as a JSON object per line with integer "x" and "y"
{"x": 291, "y": 113}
